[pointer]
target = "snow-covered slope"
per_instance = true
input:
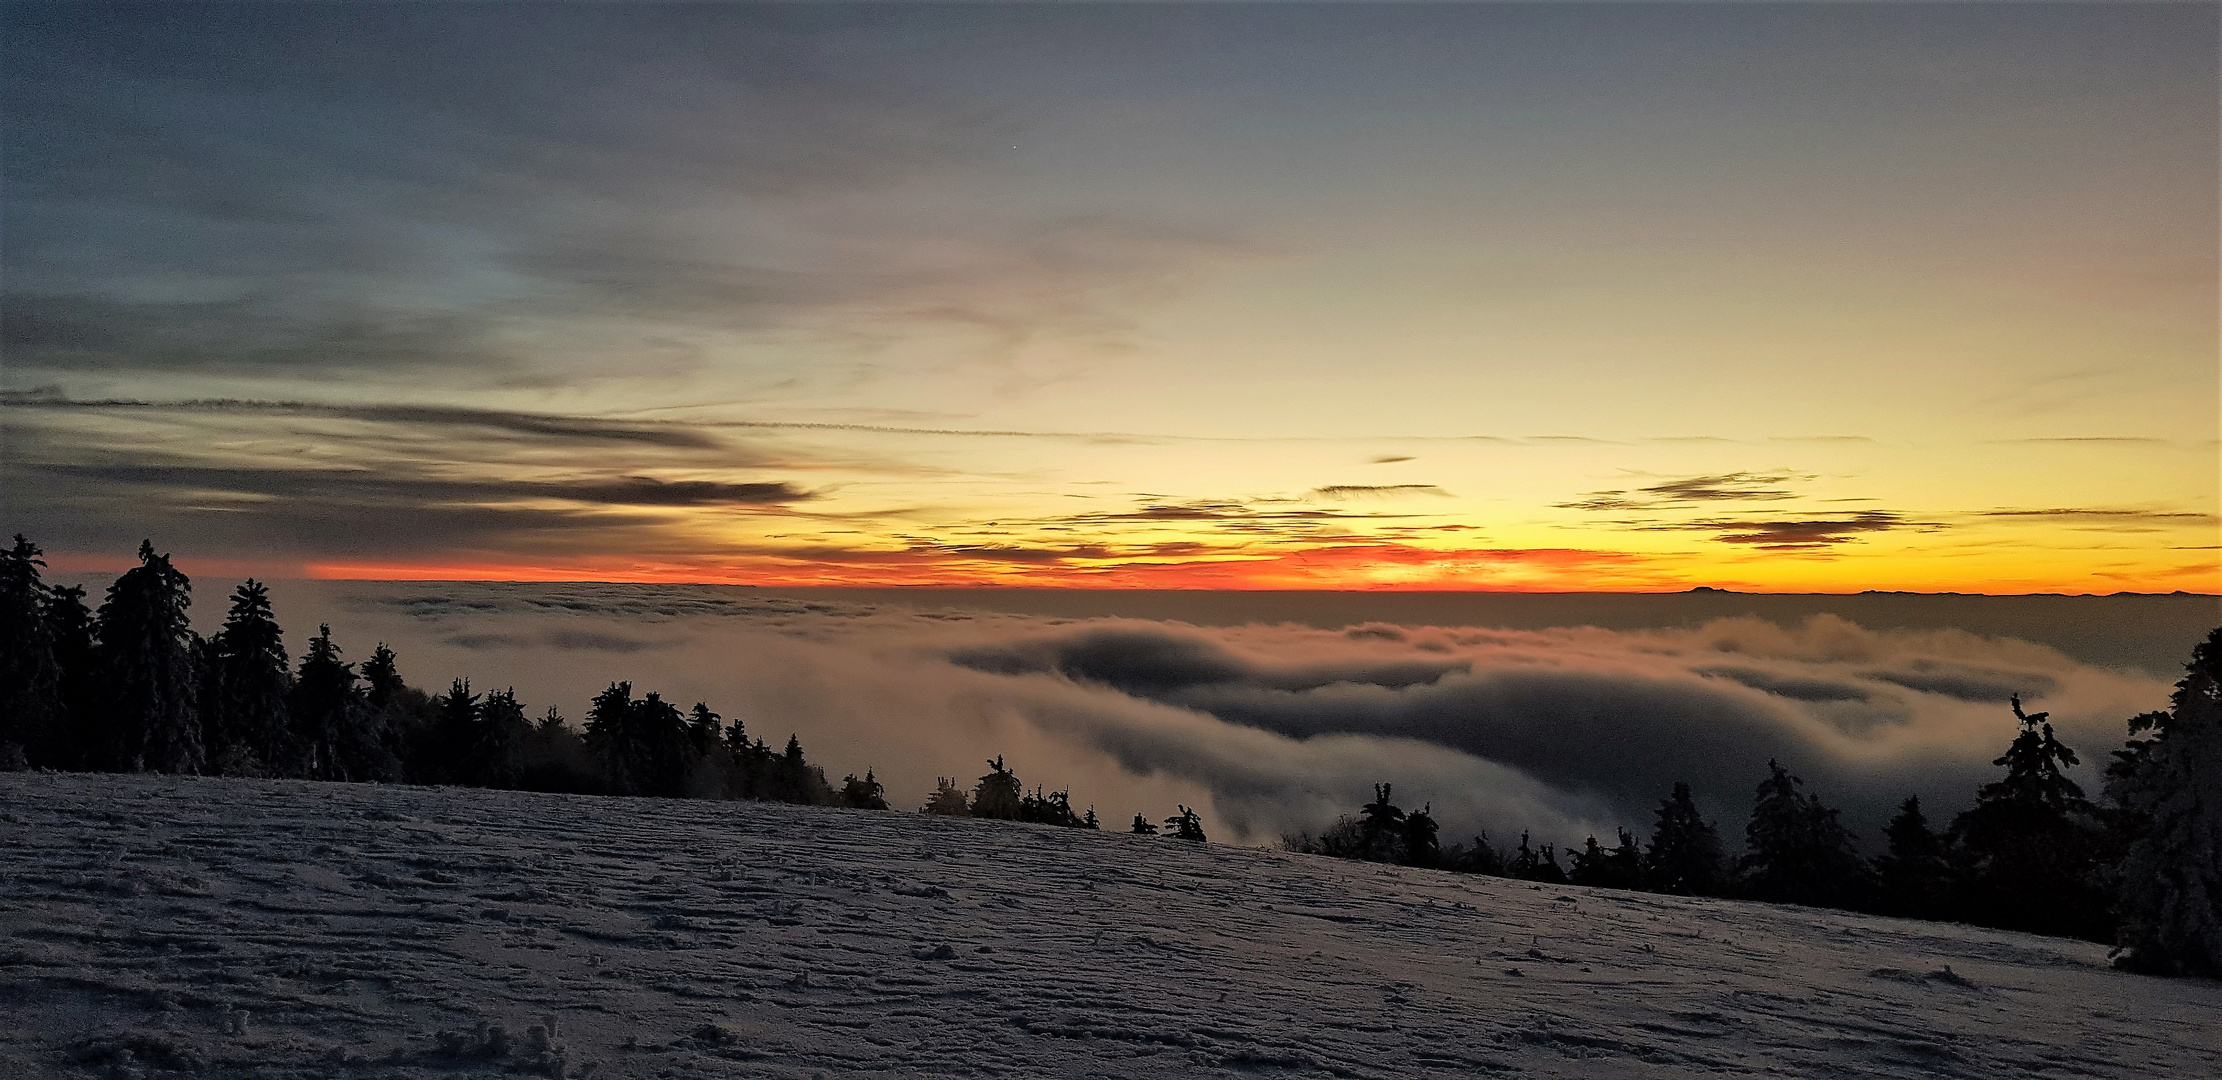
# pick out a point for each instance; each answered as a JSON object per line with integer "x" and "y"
{"x": 245, "y": 928}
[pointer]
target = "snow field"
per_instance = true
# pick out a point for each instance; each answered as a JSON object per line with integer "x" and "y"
{"x": 159, "y": 926}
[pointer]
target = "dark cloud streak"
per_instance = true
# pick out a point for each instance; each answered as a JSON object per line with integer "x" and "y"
{"x": 548, "y": 425}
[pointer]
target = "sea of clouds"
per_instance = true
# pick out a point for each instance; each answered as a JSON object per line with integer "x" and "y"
{"x": 1267, "y": 729}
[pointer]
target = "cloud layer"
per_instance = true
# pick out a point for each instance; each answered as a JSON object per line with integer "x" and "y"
{"x": 1275, "y": 728}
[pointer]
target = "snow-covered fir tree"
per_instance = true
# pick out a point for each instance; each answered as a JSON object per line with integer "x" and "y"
{"x": 148, "y": 658}
{"x": 1685, "y": 854}
{"x": 1798, "y": 852}
{"x": 2168, "y": 788}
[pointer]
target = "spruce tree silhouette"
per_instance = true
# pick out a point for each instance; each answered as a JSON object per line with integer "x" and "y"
{"x": 1913, "y": 877}
{"x": 30, "y": 676}
{"x": 1685, "y": 855}
{"x": 454, "y": 734}
{"x": 1143, "y": 826}
{"x": 70, "y": 743}
{"x": 948, "y": 799}
{"x": 610, "y": 736}
{"x": 665, "y": 752}
{"x": 798, "y": 781}
{"x": 333, "y": 722}
{"x": 1418, "y": 840}
{"x": 1626, "y": 862}
{"x": 645, "y": 749}
{"x": 998, "y": 793}
{"x": 1479, "y": 857}
{"x": 1186, "y": 825}
{"x": 705, "y": 729}
{"x": 382, "y": 677}
{"x": 322, "y": 691}
{"x": 2167, "y": 791}
{"x": 712, "y": 770}
{"x": 1590, "y": 866}
{"x": 865, "y": 794}
{"x": 751, "y": 763}
{"x": 496, "y": 757}
{"x": 1380, "y": 827}
{"x": 147, "y": 656}
{"x": 403, "y": 717}
{"x": 1798, "y": 852}
{"x": 1531, "y": 864}
{"x": 2028, "y": 852}
{"x": 248, "y": 723}
{"x": 1055, "y": 808}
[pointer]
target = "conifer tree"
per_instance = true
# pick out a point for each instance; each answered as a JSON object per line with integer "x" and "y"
{"x": 1685, "y": 855}
{"x": 1913, "y": 877}
{"x": 643, "y": 745}
{"x": 1143, "y": 826}
{"x": 1186, "y": 825}
{"x": 948, "y": 800}
{"x": 1418, "y": 838}
{"x": 797, "y": 781}
{"x": 72, "y": 741}
{"x": 751, "y": 763}
{"x": 1531, "y": 864}
{"x": 704, "y": 729}
{"x": 1798, "y": 852}
{"x": 1380, "y": 827}
{"x": 663, "y": 731}
{"x": 556, "y": 760}
{"x": 454, "y": 734}
{"x": 2167, "y": 788}
{"x": 147, "y": 655}
{"x": 333, "y": 725}
{"x": 495, "y": 755}
{"x": 997, "y": 795}
{"x": 1590, "y": 866}
{"x": 1626, "y": 862}
{"x": 382, "y": 678}
{"x": 1479, "y": 857}
{"x": 1090, "y": 821}
{"x": 711, "y": 772}
{"x": 405, "y": 720}
{"x": 1054, "y": 808}
{"x": 2028, "y": 852}
{"x": 249, "y": 723}
{"x": 611, "y": 735}
{"x": 30, "y": 678}
{"x": 865, "y": 794}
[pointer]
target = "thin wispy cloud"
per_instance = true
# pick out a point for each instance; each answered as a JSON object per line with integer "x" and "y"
{"x": 1796, "y": 534}
{"x": 1724, "y": 487}
{"x": 1377, "y": 491}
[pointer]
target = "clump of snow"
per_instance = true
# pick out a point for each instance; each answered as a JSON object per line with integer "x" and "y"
{"x": 162, "y": 926}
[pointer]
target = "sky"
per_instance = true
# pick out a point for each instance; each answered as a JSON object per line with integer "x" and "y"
{"x": 1545, "y": 297}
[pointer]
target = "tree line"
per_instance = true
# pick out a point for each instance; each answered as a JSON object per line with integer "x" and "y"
{"x": 132, "y": 688}
{"x": 2141, "y": 869}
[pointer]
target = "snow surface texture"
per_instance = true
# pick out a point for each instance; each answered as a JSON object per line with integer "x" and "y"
{"x": 159, "y": 926}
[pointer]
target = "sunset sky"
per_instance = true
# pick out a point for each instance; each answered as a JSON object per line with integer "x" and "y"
{"x": 1801, "y": 297}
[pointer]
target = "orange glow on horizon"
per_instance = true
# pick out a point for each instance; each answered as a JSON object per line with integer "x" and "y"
{"x": 1351, "y": 568}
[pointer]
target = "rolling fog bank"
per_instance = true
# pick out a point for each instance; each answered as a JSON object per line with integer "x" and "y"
{"x": 1271, "y": 714}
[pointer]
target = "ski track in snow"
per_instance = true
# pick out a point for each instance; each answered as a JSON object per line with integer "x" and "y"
{"x": 155, "y": 926}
